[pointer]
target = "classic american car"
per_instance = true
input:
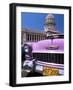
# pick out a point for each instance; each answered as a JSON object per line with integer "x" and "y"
{"x": 48, "y": 56}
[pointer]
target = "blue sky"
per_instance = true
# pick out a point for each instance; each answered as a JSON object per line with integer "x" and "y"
{"x": 35, "y": 21}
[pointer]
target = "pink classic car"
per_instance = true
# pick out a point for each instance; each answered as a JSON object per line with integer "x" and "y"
{"x": 49, "y": 53}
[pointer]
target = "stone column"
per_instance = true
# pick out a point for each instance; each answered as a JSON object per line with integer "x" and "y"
{"x": 29, "y": 37}
{"x": 24, "y": 39}
{"x": 43, "y": 38}
{"x": 33, "y": 38}
{"x": 40, "y": 37}
{"x": 37, "y": 38}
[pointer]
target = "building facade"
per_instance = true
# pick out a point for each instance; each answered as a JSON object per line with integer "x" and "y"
{"x": 34, "y": 36}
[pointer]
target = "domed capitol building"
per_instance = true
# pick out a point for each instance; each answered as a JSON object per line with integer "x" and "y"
{"x": 29, "y": 35}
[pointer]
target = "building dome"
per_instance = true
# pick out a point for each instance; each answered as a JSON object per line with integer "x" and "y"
{"x": 49, "y": 16}
{"x": 49, "y": 23}
{"x": 49, "y": 19}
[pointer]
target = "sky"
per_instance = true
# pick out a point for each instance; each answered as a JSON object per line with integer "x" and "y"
{"x": 35, "y": 21}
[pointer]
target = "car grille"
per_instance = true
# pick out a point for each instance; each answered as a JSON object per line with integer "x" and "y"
{"x": 49, "y": 57}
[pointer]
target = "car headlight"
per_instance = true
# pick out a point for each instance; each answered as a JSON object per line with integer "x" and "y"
{"x": 26, "y": 50}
